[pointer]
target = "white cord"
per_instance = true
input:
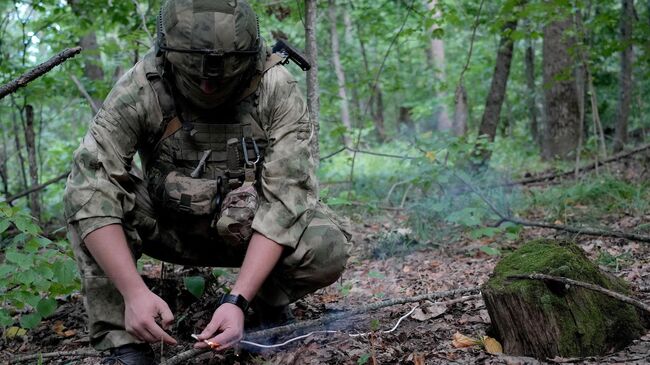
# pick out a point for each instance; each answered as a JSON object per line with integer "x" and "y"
{"x": 327, "y": 331}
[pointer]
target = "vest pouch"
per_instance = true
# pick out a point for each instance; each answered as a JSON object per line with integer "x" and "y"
{"x": 187, "y": 195}
{"x": 237, "y": 213}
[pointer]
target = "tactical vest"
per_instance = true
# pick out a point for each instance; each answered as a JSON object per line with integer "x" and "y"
{"x": 201, "y": 157}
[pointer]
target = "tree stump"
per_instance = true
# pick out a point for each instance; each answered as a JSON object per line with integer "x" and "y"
{"x": 544, "y": 320}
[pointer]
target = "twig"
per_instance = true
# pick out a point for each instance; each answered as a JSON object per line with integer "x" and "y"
{"x": 83, "y": 353}
{"x": 184, "y": 356}
{"x": 600, "y": 289}
{"x": 36, "y": 188}
{"x": 143, "y": 20}
{"x": 37, "y": 71}
{"x": 390, "y": 191}
{"x": 471, "y": 48}
{"x": 85, "y": 94}
{"x": 406, "y": 194}
{"x": 560, "y": 227}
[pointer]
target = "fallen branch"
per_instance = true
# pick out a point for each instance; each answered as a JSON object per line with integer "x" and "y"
{"x": 37, "y": 71}
{"x": 600, "y": 289}
{"x": 82, "y": 353}
{"x": 559, "y": 227}
{"x": 290, "y": 328}
{"x": 36, "y": 188}
{"x": 591, "y": 166}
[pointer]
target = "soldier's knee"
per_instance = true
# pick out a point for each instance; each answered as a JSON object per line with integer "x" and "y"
{"x": 325, "y": 257}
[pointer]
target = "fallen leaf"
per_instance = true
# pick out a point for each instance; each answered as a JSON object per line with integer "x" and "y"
{"x": 69, "y": 333}
{"x": 459, "y": 341}
{"x": 418, "y": 359}
{"x": 491, "y": 345}
{"x": 419, "y": 315}
{"x": 13, "y": 332}
{"x": 437, "y": 309}
{"x": 58, "y": 328}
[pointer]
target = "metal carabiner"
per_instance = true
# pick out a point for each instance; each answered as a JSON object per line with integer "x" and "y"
{"x": 255, "y": 148}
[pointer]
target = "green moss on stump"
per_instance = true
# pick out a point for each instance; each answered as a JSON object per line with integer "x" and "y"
{"x": 536, "y": 319}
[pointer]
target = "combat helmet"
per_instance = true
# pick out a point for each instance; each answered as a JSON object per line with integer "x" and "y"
{"x": 210, "y": 46}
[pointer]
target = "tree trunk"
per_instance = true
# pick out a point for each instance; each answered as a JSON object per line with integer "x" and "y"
{"x": 3, "y": 164}
{"x": 625, "y": 81}
{"x": 562, "y": 129}
{"x": 379, "y": 114}
{"x": 461, "y": 111}
{"x": 19, "y": 151}
{"x": 437, "y": 56}
{"x": 531, "y": 100}
{"x": 548, "y": 319}
{"x": 338, "y": 70}
{"x": 499, "y": 84}
{"x": 313, "y": 88}
{"x": 30, "y": 143}
{"x": 404, "y": 121}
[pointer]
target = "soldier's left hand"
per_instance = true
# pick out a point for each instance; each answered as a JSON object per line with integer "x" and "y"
{"x": 224, "y": 330}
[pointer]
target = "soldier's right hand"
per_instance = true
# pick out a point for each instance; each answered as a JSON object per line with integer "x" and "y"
{"x": 140, "y": 312}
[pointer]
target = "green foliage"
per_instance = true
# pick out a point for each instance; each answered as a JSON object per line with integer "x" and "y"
{"x": 195, "y": 285}
{"x": 35, "y": 271}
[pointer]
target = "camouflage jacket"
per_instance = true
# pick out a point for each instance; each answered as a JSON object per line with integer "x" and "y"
{"x": 99, "y": 190}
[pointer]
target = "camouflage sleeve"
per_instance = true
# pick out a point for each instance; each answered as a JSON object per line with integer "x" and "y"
{"x": 98, "y": 189}
{"x": 289, "y": 191}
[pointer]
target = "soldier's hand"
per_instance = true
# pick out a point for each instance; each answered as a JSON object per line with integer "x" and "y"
{"x": 224, "y": 330}
{"x": 140, "y": 314}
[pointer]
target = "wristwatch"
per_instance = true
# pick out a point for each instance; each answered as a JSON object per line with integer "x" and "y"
{"x": 237, "y": 300}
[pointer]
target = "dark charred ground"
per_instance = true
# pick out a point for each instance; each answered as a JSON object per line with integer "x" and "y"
{"x": 379, "y": 269}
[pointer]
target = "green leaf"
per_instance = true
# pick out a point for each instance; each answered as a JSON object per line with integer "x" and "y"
{"x": 4, "y": 224}
{"x": 30, "y": 321}
{"x": 490, "y": 250}
{"x": 64, "y": 272}
{"x": 195, "y": 285}
{"x": 19, "y": 259}
{"x": 376, "y": 274}
{"x": 46, "y": 307}
{"x": 217, "y": 273}
{"x": 26, "y": 277}
{"x": 374, "y": 325}
{"x": 5, "y": 318}
{"x": 363, "y": 359}
{"x": 26, "y": 224}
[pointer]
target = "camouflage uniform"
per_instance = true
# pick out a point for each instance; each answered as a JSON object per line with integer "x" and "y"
{"x": 103, "y": 189}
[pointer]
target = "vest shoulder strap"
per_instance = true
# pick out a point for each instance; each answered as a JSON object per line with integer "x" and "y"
{"x": 273, "y": 60}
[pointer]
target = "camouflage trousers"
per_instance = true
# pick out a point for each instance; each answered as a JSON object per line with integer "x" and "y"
{"x": 317, "y": 261}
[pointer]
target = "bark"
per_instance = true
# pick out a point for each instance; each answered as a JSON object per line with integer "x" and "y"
{"x": 311, "y": 52}
{"x": 37, "y": 71}
{"x": 30, "y": 144}
{"x": 437, "y": 56}
{"x": 625, "y": 81}
{"x": 3, "y": 164}
{"x": 375, "y": 103}
{"x": 531, "y": 100}
{"x": 562, "y": 129}
{"x": 338, "y": 70}
{"x": 461, "y": 111}
{"x": 499, "y": 84}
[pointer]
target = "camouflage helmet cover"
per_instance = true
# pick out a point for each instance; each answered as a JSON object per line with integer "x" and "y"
{"x": 209, "y": 38}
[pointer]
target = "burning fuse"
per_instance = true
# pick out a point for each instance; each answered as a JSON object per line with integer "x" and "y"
{"x": 213, "y": 345}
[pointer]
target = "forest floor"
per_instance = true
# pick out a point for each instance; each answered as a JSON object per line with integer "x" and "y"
{"x": 375, "y": 273}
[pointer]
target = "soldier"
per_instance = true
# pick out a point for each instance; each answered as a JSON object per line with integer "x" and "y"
{"x": 225, "y": 140}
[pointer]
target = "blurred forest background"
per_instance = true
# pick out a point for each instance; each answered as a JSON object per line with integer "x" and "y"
{"x": 418, "y": 103}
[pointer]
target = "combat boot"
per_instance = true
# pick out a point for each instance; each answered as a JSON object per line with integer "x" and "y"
{"x": 131, "y": 354}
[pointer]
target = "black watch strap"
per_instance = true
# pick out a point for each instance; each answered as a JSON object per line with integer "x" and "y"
{"x": 237, "y": 300}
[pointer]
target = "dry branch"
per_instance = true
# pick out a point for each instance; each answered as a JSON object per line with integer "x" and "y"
{"x": 38, "y": 71}
{"x": 284, "y": 330}
{"x": 83, "y": 353}
{"x": 560, "y": 227}
{"x": 588, "y": 167}
{"x": 600, "y": 289}
{"x": 37, "y": 187}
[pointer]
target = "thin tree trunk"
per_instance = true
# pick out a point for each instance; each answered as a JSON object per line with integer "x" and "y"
{"x": 3, "y": 164}
{"x": 19, "y": 151}
{"x": 30, "y": 143}
{"x": 340, "y": 73}
{"x": 437, "y": 56}
{"x": 561, "y": 98}
{"x": 625, "y": 81}
{"x": 313, "y": 100}
{"x": 498, "y": 88}
{"x": 461, "y": 111}
{"x": 405, "y": 121}
{"x": 379, "y": 114}
{"x": 529, "y": 64}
